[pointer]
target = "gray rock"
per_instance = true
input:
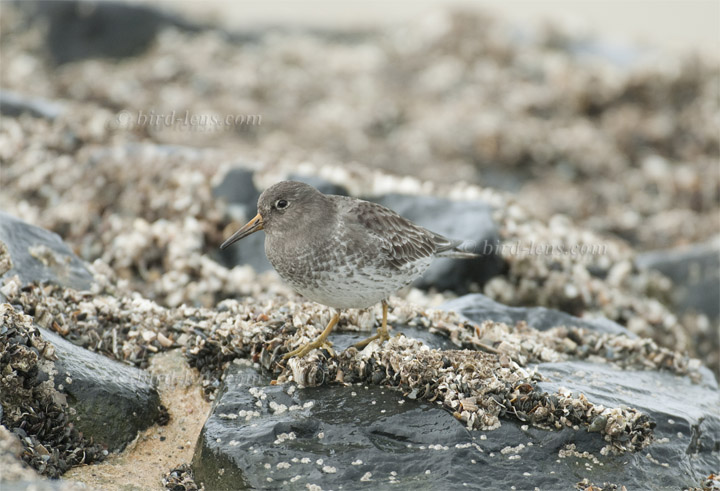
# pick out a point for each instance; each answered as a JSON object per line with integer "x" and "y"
{"x": 479, "y": 308}
{"x": 109, "y": 401}
{"x": 322, "y": 185}
{"x": 338, "y": 429}
{"x": 14, "y": 104}
{"x": 470, "y": 221}
{"x": 79, "y": 30}
{"x": 695, "y": 273}
{"x": 687, "y": 432}
{"x": 238, "y": 187}
{"x": 332, "y": 438}
{"x": 418, "y": 444}
{"x": 40, "y": 255}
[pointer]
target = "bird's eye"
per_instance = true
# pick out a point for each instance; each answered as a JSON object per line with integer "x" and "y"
{"x": 281, "y": 204}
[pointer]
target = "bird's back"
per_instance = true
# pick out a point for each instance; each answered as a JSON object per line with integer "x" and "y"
{"x": 395, "y": 242}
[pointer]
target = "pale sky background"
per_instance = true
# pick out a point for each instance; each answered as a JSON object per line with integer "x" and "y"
{"x": 666, "y": 24}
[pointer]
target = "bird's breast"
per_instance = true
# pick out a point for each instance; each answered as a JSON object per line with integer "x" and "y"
{"x": 336, "y": 273}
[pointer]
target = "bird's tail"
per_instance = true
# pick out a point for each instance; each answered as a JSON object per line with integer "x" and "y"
{"x": 456, "y": 249}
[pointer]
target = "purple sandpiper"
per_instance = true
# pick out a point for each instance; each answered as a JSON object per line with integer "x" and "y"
{"x": 342, "y": 252}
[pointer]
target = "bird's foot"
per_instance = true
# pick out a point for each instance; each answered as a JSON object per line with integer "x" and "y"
{"x": 319, "y": 342}
{"x": 307, "y": 348}
{"x": 382, "y": 332}
{"x": 382, "y": 335}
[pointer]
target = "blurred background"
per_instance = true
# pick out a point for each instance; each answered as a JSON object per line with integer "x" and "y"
{"x": 614, "y": 101}
{"x": 120, "y": 122}
{"x": 660, "y": 24}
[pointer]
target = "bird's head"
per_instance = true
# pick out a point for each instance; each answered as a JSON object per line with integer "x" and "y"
{"x": 286, "y": 207}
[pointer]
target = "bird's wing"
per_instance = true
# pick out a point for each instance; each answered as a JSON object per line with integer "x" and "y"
{"x": 402, "y": 243}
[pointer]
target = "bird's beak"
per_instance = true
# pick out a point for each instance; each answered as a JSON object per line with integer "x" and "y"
{"x": 249, "y": 228}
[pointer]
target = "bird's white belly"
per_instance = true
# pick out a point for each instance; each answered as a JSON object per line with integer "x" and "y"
{"x": 335, "y": 275}
{"x": 344, "y": 288}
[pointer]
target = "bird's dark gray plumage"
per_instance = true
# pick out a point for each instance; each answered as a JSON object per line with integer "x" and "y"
{"x": 340, "y": 251}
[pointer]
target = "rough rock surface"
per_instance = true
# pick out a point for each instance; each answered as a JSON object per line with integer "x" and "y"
{"x": 36, "y": 254}
{"x": 362, "y": 437}
{"x": 67, "y": 404}
{"x": 32, "y": 409}
{"x": 687, "y": 424}
{"x": 108, "y": 401}
{"x": 14, "y": 469}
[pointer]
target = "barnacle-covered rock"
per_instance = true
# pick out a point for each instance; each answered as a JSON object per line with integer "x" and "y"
{"x": 66, "y": 402}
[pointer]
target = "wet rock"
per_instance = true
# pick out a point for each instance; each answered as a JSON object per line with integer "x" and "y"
{"x": 479, "y": 308}
{"x": 38, "y": 255}
{"x": 321, "y": 436}
{"x": 687, "y": 431}
{"x": 261, "y": 435}
{"x": 695, "y": 273}
{"x": 109, "y": 401}
{"x": 14, "y": 104}
{"x": 35, "y": 411}
{"x": 470, "y": 221}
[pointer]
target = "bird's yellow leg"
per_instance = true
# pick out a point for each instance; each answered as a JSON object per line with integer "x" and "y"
{"x": 307, "y": 348}
{"x": 382, "y": 332}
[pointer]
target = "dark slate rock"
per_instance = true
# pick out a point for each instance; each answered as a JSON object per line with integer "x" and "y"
{"x": 14, "y": 104}
{"x": 111, "y": 401}
{"x": 322, "y": 185}
{"x": 238, "y": 187}
{"x": 695, "y": 273}
{"x": 238, "y": 190}
{"x": 470, "y": 221}
{"x": 352, "y": 429}
{"x": 479, "y": 308}
{"x": 415, "y": 437}
{"x": 686, "y": 414}
{"x": 79, "y": 30}
{"x": 25, "y": 244}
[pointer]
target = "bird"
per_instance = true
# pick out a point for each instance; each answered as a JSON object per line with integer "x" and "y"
{"x": 342, "y": 252}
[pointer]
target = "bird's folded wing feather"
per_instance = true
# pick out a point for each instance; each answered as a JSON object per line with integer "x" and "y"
{"x": 402, "y": 243}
